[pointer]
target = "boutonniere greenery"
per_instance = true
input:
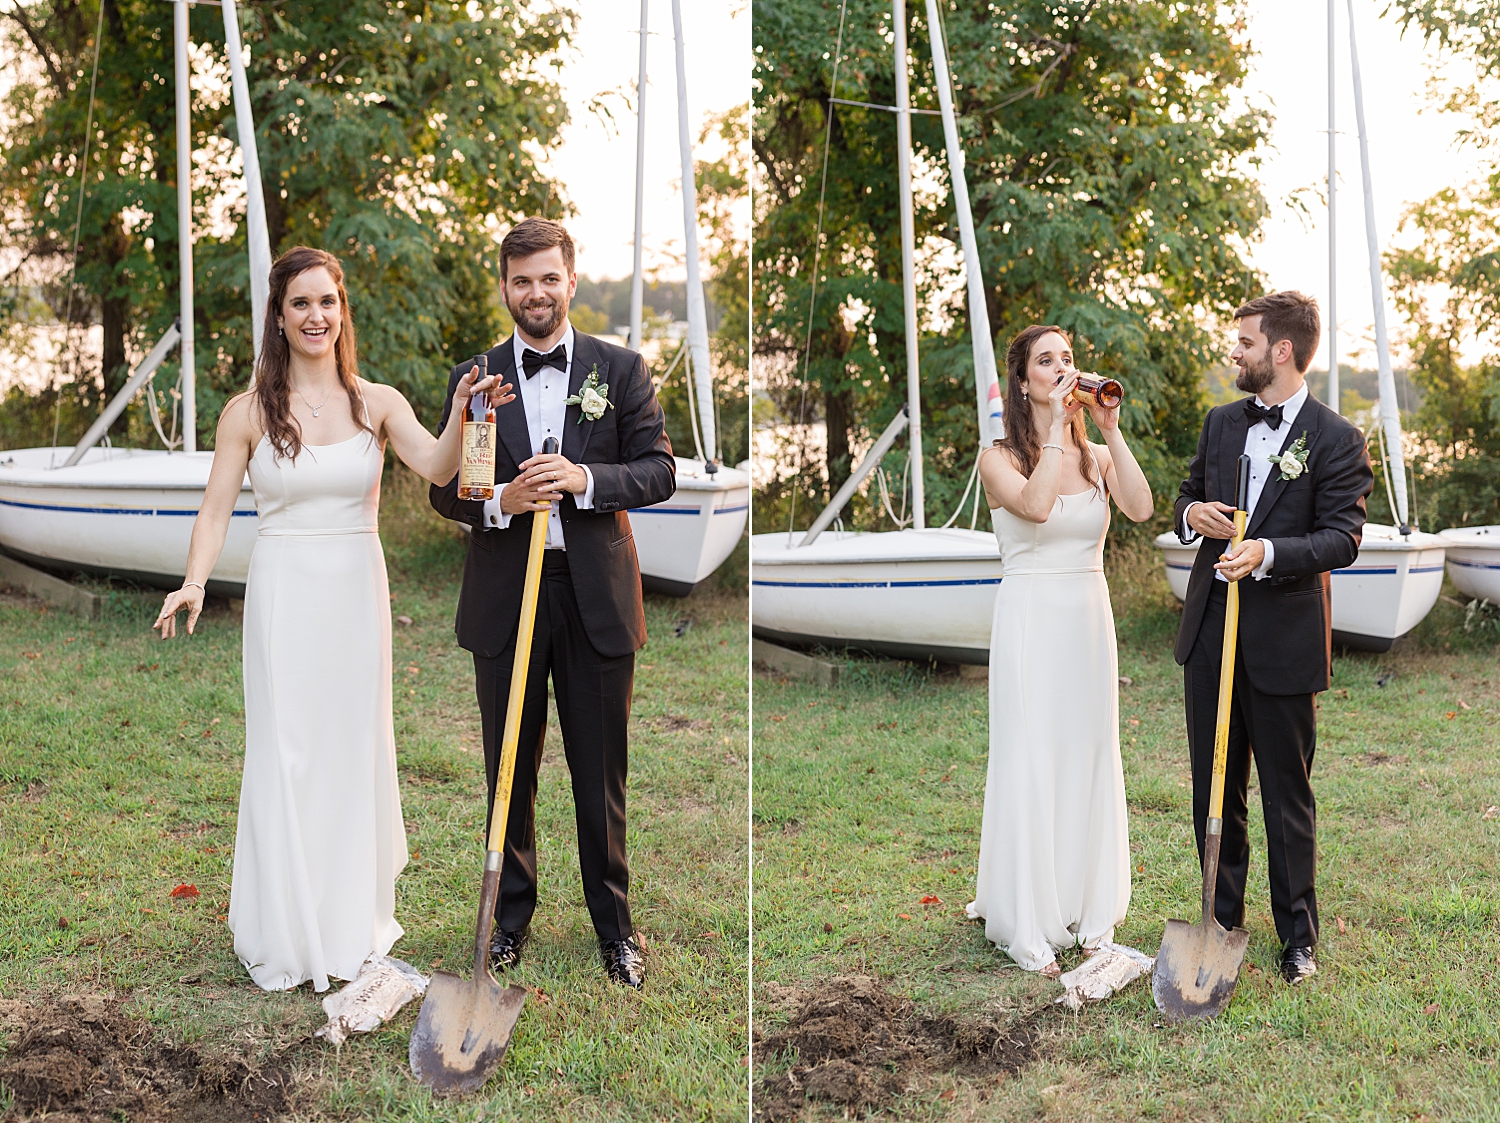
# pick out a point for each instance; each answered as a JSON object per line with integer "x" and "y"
{"x": 592, "y": 397}
{"x": 1293, "y": 462}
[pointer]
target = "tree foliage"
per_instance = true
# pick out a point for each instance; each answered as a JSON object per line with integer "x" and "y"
{"x": 398, "y": 134}
{"x": 1107, "y": 164}
{"x": 1447, "y": 286}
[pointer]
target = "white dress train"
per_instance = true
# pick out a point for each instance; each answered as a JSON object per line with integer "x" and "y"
{"x": 1054, "y": 852}
{"x": 320, "y": 839}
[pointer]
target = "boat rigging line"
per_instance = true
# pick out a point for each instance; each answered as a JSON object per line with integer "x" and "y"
{"x": 83, "y": 190}
{"x": 812, "y": 296}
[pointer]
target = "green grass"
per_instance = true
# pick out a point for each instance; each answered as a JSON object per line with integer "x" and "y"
{"x": 119, "y": 776}
{"x": 870, "y": 797}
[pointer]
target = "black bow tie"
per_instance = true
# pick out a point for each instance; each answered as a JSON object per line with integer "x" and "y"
{"x": 533, "y": 361}
{"x": 1271, "y": 417}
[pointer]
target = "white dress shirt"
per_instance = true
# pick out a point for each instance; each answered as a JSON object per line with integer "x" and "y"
{"x": 1261, "y": 442}
{"x": 543, "y": 399}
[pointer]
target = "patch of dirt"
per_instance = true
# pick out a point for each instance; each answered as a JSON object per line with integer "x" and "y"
{"x": 859, "y": 1046}
{"x": 82, "y": 1060}
{"x": 675, "y": 723}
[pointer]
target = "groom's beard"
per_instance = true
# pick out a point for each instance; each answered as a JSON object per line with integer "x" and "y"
{"x": 539, "y": 318}
{"x": 1255, "y": 377}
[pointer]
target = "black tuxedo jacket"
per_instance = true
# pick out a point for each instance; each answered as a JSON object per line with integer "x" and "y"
{"x": 630, "y": 457}
{"x": 1314, "y": 523}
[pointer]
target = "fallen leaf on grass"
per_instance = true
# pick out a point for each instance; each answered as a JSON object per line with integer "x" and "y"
{"x": 903, "y": 916}
{"x": 930, "y": 899}
{"x": 778, "y": 717}
{"x": 885, "y": 725}
{"x": 404, "y": 620}
{"x": 1340, "y": 922}
{"x": 949, "y": 1094}
{"x": 540, "y": 995}
{"x": 1430, "y": 1008}
{"x": 708, "y": 936}
{"x": 1464, "y": 705}
{"x": 1451, "y": 714}
{"x": 827, "y": 926}
{"x": 1490, "y": 813}
{"x": 185, "y": 890}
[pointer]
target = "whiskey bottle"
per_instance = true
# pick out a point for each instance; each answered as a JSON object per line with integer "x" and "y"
{"x": 476, "y": 471}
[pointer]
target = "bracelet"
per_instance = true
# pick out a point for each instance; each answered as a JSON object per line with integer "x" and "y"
{"x": 195, "y": 585}
{"x": 1058, "y": 447}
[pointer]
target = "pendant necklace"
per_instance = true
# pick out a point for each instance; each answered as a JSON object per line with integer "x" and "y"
{"x": 309, "y": 404}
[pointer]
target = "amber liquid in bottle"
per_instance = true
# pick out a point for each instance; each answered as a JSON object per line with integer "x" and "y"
{"x": 1107, "y": 392}
{"x": 476, "y": 470}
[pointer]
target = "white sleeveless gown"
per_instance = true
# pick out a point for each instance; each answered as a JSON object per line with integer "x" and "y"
{"x": 1054, "y": 853}
{"x": 320, "y": 838}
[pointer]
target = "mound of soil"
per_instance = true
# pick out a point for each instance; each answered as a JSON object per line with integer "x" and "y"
{"x": 82, "y": 1060}
{"x": 858, "y": 1045}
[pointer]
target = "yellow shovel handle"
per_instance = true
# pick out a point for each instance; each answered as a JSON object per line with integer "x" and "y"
{"x": 1226, "y": 689}
{"x": 500, "y": 814}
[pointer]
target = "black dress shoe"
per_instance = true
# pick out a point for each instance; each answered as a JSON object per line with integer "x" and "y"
{"x": 1297, "y": 964}
{"x": 505, "y": 948}
{"x": 623, "y": 962}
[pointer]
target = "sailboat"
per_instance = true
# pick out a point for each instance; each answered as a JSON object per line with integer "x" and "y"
{"x": 920, "y": 592}
{"x": 129, "y": 512}
{"x": 1396, "y": 579}
{"x": 681, "y": 541}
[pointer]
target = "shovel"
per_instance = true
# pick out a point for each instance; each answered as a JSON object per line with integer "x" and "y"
{"x": 1198, "y": 965}
{"x": 465, "y": 1025}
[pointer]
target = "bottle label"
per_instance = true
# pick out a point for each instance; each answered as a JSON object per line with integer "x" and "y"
{"x": 477, "y": 468}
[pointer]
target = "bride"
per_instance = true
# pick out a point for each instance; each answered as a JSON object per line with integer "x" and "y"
{"x": 1054, "y": 854}
{"x": 319, "y": 840}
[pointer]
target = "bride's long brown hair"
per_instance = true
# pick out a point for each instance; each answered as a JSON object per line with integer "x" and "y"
{"x": 273, "y": 384}
{"x": 1020, "y": 429}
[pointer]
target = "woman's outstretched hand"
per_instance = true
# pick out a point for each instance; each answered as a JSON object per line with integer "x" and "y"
{"x": 471, "y": 384}
{"x": 189, "y": 597}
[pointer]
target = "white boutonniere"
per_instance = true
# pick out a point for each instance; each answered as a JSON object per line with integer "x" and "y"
{"x": 1293, "y": 462}
{"x": 592, "y": 398}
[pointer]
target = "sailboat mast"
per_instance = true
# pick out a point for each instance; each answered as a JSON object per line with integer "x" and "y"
{"x": 637, "y": 280}
{"x": 696, "y": 310}
{"x": 1390, "y": 416}
{"x": 258, "y": 233}
{"x": 1333, "y": 241}
{"x": 908, "y": 267}
{"x": 985, "y": 378}
{"x": 185, "y": 225}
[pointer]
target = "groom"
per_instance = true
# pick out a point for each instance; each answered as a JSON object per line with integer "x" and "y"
{"x": 1309, "y": 475}
{"x": 589, "y": 621}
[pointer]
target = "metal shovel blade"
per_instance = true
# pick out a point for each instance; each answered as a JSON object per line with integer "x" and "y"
{"x": 463, "y": 1031}
{"x": 1197, "y": 968}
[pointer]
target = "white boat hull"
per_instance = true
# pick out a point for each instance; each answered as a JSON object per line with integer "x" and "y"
{"x": 1390, "y": 588}
{"x": 681, "y": 541}
{"x": 1474, "y": 560}
{"x": 129, "y": 513}
{"x": 121, "y": 512}
{"x": 914, "y": 594}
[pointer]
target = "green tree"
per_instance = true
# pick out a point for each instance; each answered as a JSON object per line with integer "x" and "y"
{"x": 1106, "y": 164}
{"x": 398, "y": 134}
{"x": 1447, "y": 286}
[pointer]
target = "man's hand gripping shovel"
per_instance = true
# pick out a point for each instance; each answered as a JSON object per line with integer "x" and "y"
{"x": 1198, "y": 965}
{"x": 465, "y": 1026}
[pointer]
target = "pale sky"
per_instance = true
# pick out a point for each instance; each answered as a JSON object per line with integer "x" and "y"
{"x": 596, "y": 162}
{"x": 1413, "y": 153}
